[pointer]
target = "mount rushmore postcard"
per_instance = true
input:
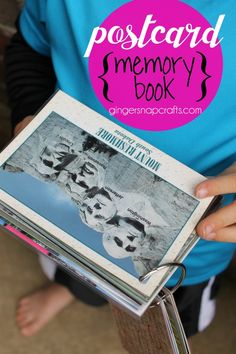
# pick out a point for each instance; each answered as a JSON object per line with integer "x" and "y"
{"x": 101, "y": 191}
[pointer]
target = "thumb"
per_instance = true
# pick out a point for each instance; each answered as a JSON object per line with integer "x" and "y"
{"x": 22, "y": 124}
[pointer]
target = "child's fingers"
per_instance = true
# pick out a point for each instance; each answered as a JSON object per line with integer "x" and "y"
{"x": 219, "y": 220}
{"x": 227, "y": 234}
{"x": 220, "y": 185}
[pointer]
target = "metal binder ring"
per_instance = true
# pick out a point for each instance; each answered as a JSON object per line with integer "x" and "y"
{"x": 163, "y": 266}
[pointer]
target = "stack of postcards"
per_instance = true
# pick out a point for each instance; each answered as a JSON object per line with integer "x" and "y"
{"x": 99, "y": 201}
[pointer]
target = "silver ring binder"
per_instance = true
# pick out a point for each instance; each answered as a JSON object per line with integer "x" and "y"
{"x": 163, "y": 266}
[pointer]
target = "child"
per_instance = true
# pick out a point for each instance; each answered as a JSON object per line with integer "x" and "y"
{"x": 47, "y": 52}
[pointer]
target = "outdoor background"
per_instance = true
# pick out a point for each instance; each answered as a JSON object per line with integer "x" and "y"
{"x": 79, "y": 329}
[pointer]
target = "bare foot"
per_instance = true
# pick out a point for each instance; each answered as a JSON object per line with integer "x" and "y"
{"x": 36, "y": 310}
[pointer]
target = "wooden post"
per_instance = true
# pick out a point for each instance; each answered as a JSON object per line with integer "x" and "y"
{"x": 147, "y": 335}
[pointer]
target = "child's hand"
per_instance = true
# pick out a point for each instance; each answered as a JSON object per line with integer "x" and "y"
{"x": 221, "y": 225}
{"x": 22, "y": 124}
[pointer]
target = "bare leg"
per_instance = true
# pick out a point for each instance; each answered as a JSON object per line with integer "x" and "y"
{"x": 36, "y": 310}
